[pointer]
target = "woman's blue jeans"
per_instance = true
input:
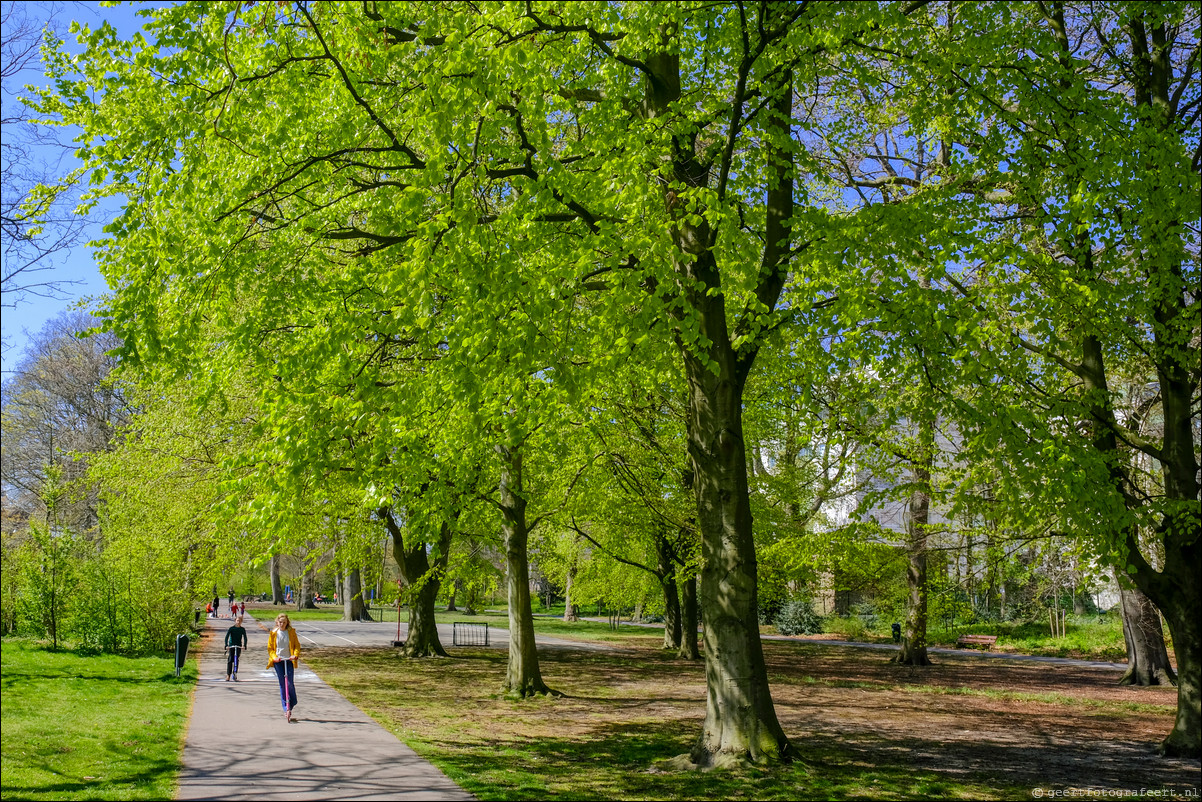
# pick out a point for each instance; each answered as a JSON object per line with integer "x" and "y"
{"x": 283, "y": 672}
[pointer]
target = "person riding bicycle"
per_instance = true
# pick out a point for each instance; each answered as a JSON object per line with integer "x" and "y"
{"x": 235, "y": 639}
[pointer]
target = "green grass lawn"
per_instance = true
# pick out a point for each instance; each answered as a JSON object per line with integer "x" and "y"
{"x": 1088, "y": 637}
{"x": 99, "y": 727}
{"x": 323, "y": 613}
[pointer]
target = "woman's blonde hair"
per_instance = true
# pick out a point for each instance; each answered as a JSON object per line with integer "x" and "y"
{"x": 287, "y": 621}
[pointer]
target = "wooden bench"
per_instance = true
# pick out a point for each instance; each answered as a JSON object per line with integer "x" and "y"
{"x": 977, "y": 640}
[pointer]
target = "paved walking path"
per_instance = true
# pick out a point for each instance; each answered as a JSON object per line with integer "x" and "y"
{"x": 382, "y": 633}
{"x": 240, "y": 747}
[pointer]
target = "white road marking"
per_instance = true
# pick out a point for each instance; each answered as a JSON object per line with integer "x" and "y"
{"x": 331, "y": 634}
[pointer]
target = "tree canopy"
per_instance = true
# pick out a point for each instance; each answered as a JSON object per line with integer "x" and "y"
{"x": 425, "y": 232}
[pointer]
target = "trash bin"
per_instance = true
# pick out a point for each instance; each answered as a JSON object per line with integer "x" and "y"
{"x": 197, "y": 618}
{"x": 181, "y": 652}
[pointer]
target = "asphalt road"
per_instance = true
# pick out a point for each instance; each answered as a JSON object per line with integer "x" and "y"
{"x": 377, "y": 633}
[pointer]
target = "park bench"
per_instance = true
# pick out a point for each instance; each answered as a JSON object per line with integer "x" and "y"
{"x": 977, "y": 640}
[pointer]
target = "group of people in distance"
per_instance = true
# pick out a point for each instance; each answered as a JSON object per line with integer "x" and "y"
{"x": 283, "y": 652}
{"x": 213, "y": 608}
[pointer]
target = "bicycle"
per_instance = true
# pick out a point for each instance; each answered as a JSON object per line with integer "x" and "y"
{"x": 231, "y": 663}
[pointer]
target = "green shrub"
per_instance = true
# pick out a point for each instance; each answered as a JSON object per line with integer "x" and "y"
{"x": 797, "y": 617}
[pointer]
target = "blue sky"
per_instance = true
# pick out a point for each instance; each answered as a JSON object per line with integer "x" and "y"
{"x": 77, "y": 265}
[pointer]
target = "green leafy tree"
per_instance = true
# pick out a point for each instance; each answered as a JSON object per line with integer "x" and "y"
{"x": 49, "y": 582}
{"x": 397, "y": 227}
{"x": 1087, "y": 271}
{"x": 1053, "y": 203}
{"x": 632, "y": 506}
{"x": 390, "y": 186}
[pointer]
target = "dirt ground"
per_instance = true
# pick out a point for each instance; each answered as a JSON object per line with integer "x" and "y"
{"x": 1038, "y": 724}
{"x": 1044, "y": 729}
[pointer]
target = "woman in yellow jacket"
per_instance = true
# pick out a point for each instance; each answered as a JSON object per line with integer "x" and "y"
{"x": 283, "y": 659}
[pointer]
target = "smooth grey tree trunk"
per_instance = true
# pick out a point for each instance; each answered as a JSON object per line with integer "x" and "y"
{"x": 570, "y": 612}
{"x": 1147, "y": 658}
{"x": 1174, "y": 589}
{"x": 277, "y": 586}
{"x": 304, "y": 599}
{"x": 666, "y": 574}
{"x": 689, "y": 619}
{"x": 1180, "y": 611}
{"x": 914, "y": 634}
{"x": 353, "y": 606}
{"x": 918, "y": 514}
{"x": 523, "y": 676}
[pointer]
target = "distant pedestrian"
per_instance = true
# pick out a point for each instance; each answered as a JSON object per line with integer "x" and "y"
{"x": 217, "y": 606}
{"x": 208, "y": 609}
{"x": 283, "y": 652}
{"x": 231, "y": 594}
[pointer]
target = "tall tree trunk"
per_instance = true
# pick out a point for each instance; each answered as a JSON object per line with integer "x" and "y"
{"x": 740, "y": 720}
{"x": 1180, "y": 610}
{"x": 424, "y": 580}
{"x": 353, "y": 606}
{"x": 522, "y": 677}
{"x": 672, "y": 625}
{"x": 918, "y": 515}
{"x": 455, "y": 585}
{"x": 277, "y": 587}
{"x": 914, "y": 640}
{"x": 1173, "y": 589}
{"x": 304, "y": 600}
{"x": 1147, "y": 657}
{"x": 970, "y": 573}
{"x": 570, "y": 613}
{"x": 666, "y": 574}
{"x": 689, "y": 649}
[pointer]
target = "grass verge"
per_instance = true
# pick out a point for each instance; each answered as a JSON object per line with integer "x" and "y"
{"x": 1090, "y": 637}
{"x": 101, "y": 727}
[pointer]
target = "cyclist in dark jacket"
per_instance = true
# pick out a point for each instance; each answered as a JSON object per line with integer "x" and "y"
{"x": 235, "y": 637}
